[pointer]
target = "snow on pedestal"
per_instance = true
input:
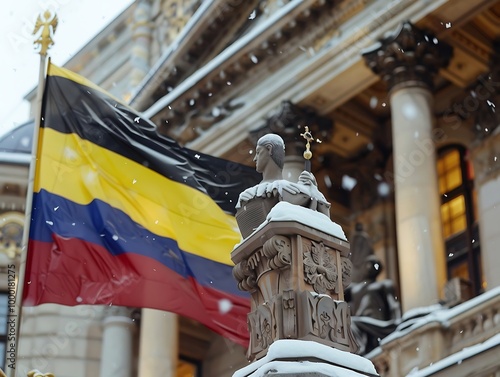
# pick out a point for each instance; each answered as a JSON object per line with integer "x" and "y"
{"x": 302, "y": 358}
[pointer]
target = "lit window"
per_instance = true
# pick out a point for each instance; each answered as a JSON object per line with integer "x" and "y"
{"x": 449, "y": 171}
{"x": 458, "y": 216}
{"x": 186, "y": 369}
{"x": 453, "y": 216}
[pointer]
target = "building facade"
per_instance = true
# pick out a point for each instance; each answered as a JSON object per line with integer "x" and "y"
{"x": 403, "y": 95}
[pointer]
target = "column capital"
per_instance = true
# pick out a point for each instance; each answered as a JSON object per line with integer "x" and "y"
{"x": 288, "y": 120}
{"x": 408, "y": 57}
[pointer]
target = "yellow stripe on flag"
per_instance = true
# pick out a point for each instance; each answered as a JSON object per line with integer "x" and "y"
{"x": 81, "y": 171}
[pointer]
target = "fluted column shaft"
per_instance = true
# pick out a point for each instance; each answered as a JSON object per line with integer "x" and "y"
{"x": 407, "y": 60}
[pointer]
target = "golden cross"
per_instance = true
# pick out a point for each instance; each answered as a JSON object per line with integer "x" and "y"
{"x": 307, "y": 135}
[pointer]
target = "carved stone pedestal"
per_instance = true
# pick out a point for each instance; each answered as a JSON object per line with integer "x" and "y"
{"x": 296, "y": 267}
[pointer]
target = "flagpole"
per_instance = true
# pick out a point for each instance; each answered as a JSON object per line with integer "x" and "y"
{"x": 44, "y": 29}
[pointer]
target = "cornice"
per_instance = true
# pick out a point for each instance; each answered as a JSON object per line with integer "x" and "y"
{"x": 263, "y": 49}
{"x": 306, "y": 75}
{"x": 300, "y": 77}
{"x": 211, "y": 25}
{"x": 470, "y": 44}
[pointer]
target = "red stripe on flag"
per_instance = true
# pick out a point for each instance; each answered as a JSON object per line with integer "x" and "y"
{"x": 89, "y": 274}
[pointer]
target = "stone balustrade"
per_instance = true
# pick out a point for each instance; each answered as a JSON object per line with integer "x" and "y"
{"x": 439, "y": 336}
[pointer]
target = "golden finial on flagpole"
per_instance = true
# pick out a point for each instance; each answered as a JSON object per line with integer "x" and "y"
{"x": 48, "y": 23}
{"x": 307, "y": 135}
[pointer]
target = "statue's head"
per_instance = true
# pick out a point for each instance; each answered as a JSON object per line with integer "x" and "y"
{"x": 275, "y": 146}
{"x": 373, "y": 267}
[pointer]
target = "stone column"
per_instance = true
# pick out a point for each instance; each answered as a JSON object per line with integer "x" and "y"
{"x": 116, "y": 354}
{"x": 288, "y": 121}
{"x": 159, "y": 349}
{"x": 407, "y": 61}
{"x": 486, "y": 161}
{"x": 294, "y": 165}
{"x": 141, "y": 36}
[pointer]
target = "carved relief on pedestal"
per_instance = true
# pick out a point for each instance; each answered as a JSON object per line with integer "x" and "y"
{"x": 245, "y": 276}
{"x": 327, "y": 321}
{"x": 261, "y": 326}
{"x": 257, "y": 270}
{"x": 289, "y": 306}
{"x": 277, "y": 250}
{"x": 320, "y": 270}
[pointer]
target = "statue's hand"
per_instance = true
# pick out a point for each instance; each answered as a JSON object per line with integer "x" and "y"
{"x": 246, "y": 195}
{"x": 289, "y": 187}
{"x": 307, "y": 178}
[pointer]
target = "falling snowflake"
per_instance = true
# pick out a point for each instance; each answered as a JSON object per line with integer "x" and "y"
{"x": 225, "y": 306}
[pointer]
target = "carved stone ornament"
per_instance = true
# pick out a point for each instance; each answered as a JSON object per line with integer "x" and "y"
{"x": 245, "y": 276}
{"x": 296, "y": 276}
{"x": 319, "y": 268}
{"x": 277, "y": 250}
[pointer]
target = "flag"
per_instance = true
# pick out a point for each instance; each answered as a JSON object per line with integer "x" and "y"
{"x": 124, "y": 216}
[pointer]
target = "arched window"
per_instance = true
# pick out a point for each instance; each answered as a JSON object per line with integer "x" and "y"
{"x": 459, "y": 216}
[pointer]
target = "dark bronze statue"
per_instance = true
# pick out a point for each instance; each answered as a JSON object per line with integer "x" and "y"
{"x": 375, "y": 312}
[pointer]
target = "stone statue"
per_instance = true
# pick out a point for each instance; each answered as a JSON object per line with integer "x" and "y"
{"x": 375, "y": 313}
{"x": 269, "y": 160}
